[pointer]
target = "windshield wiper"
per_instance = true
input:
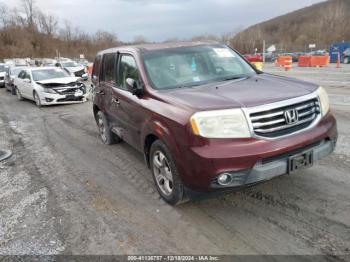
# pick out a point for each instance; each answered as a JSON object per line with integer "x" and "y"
{"x": 233, "y": 78}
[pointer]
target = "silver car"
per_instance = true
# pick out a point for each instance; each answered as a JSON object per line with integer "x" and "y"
{"x": 49, "y": 86}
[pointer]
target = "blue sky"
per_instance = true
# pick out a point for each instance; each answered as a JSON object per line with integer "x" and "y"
{"x": 159, "y": 20}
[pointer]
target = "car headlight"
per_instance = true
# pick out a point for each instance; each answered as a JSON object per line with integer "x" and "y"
{"x": 49, "y": 90}
{"x": 324, "y": 100}
{"x": 229, "y": 123}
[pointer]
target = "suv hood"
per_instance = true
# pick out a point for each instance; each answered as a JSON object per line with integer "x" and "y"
{"x": 64, "y": 80}
{"x": 246, "y": 92}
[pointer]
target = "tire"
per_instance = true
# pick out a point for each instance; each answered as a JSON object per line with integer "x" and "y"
{"x": 106, "y": 134}
{"x": 19, "y": 95}
{"x": 346, "y": 60}
{"x": 13, "y": 90}
{"x": 36, "y": 99}
{"x": 165, "y": 174}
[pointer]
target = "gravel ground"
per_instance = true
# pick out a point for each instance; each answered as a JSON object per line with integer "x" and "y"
{"x": 63, "y": 192}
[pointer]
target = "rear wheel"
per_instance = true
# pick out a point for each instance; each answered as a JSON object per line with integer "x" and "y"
{"x": 106, "y": 134}
{"x": 19, "y": 95}
{"x": 165, "y": 174}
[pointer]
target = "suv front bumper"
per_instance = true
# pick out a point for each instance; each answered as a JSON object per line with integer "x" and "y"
{"x": 252, "y": 160}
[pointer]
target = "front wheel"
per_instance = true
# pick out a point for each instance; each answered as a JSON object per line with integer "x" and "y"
{"x": 37, "y": 99}
{"x": 19, "y": 95}
{"x": 346, "y": 60}
{"x": 165, "y": 174}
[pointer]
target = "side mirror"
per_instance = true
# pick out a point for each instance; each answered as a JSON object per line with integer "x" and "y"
{"x": 133, "y": 87}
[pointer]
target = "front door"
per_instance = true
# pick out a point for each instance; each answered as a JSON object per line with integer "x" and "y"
{"x": 127, "y": 106}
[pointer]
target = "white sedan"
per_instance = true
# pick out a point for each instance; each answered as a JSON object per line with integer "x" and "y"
{"x": 49, "y": 86}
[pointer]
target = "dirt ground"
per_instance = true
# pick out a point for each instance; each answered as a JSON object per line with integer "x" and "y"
{"x": 64, "y": 192}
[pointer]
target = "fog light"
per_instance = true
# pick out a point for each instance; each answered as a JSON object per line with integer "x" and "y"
{"x": 225, "y": 179}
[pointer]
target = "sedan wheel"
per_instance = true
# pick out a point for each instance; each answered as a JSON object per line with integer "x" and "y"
{"x": 19, "y": 95}
{"x": 37, "y": 99}
{"x": 162, "y": 173}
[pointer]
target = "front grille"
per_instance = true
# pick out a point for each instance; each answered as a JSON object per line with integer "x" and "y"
{"x": 71, "y": 99}
{"x": 67, "y": 91}
{"x": 272, "y": 123}
{"x": 2, "y": 78}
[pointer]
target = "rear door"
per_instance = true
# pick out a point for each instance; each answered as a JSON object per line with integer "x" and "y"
{"x": 27, "y": 85}
{"x": 106, "y": 84}
{"x": 20, "y": 83}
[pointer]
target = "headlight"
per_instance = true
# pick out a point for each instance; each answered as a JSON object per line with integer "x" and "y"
{"x": 324, "y": 100}
{"x": 230, "y": 123}
{"x": 49, "y": 90}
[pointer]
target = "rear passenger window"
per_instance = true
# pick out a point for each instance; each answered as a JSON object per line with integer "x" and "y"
{"x": 109, "y": 68}
{"x": 96, "y": 69}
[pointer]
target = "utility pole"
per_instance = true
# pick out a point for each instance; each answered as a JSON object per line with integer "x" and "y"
{"x": 264, "y": 47}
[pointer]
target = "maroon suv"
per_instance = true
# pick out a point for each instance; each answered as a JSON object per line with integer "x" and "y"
{"x": 205, "y": 119}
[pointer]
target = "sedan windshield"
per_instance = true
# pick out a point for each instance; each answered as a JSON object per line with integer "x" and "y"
{"x": 193, "y": 66}
{"x": 45, "y": 74}
{"x": 15, "y": 71}
{"x": 2, "y": 68}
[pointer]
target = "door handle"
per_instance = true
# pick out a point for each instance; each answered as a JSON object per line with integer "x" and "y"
{"x": 116, "y": 101}
{"x": 100, "y": 92}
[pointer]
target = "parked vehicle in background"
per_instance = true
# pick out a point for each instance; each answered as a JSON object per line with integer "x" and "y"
{"x": 205, "y": 119}
{"x": 346, "y": 56}
{"x": 49, "y": 86}
{"x": 10, "y": 76}
{"x": 74, "y": 69}
{"x": 3, "y": 69}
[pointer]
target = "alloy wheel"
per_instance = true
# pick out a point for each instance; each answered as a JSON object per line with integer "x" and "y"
{"x": 102, "y": 129}
{"x": 162, "y": 173}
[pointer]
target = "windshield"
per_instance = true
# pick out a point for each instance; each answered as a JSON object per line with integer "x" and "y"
{"x": 192, "y": 66}
{"x": 2, "y": 68}
{"x": 45, "y": 74}
{"x": 15, "y": 71}
{"x": 69, "y": 64}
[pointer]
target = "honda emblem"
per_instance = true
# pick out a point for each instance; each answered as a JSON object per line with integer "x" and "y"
{"x": 291, "y": 116}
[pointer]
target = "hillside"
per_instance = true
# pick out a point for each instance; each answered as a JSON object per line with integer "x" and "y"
{"x": 322, "y": 24}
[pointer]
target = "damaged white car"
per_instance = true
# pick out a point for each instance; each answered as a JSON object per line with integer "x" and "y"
{"x": 49, "y": 86}
{"x": 74, "y": 69}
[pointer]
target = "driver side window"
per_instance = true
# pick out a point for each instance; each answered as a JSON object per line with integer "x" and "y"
{"x": 21, "y": 75}
{"x": 127, "y": 69}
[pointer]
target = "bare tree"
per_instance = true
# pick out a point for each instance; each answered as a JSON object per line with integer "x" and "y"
{"x": 29, "y": 11}
{"x": 47, "y": 23}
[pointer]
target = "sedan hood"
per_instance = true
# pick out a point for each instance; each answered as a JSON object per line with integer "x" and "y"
{"x": 2, "y": 74}
{"x": 75, "y": 69}
{"x": 246, "y": 92}
{"x": 64, "y": 80}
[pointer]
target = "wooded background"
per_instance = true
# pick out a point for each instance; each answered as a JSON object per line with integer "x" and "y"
{"x": 26, "y": 31}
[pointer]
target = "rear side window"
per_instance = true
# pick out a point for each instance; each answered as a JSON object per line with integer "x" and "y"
{"x": 96, "y": 68}
{"x": 109, "y": 68}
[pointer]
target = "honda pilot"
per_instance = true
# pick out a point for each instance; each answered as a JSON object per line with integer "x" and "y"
{"x": 205, "y": 119}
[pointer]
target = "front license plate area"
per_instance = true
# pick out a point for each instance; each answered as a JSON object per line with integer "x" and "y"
{"x": 300, "y": 161}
